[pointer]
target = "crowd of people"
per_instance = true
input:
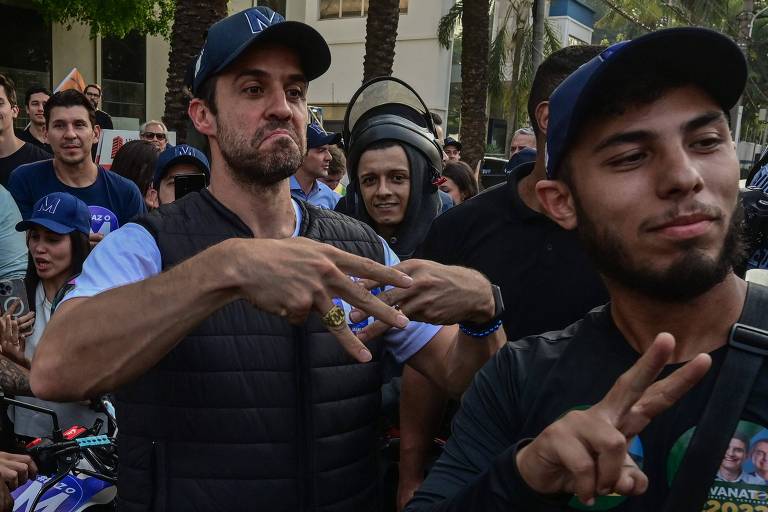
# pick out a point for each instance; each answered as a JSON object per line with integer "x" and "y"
{"x": 269, "y": 309}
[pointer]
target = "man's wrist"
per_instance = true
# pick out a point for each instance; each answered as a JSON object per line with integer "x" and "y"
{"x": 489, "y": 318}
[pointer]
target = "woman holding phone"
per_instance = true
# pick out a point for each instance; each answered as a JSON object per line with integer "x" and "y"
{"x": 57, "y": 239}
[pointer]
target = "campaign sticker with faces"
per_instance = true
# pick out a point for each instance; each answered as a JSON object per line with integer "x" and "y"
{"x": 103, "y": 220}
{"x": 741, "y": 482}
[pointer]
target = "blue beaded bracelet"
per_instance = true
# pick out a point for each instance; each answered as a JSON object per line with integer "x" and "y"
{"x": 481, "y": 334}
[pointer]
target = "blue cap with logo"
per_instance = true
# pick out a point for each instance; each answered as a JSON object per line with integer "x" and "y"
{"x": 317, "y": 136}
{"x": 176, "y": 155}
{"x": 59, "y": 212}
{"x": 229, "y": 38}
{"x": 704, "y": 57}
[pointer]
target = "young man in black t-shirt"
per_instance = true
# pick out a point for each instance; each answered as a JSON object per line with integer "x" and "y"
{"x": 34, "y": 103}
{"x": 503, "y": 234}
{"x": 13, "y": 151}
{"x": 641, "y": 162}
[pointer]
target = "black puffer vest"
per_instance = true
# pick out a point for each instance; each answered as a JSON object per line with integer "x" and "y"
{"x": 249, "y": 412}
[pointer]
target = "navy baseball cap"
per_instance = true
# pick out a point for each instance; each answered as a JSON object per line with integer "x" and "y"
{"x": 450, "y": 141}
{"x": 59, "y": 212}
{"x": 317, "y": 136}
{"x": 176, "y": 155}
{"x": 706, "y": 58}
{"x": 228, "y": 38}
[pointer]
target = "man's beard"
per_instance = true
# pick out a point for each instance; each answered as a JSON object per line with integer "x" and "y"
{"x": 690, "y": 276}
{"x": 253, "y": 166}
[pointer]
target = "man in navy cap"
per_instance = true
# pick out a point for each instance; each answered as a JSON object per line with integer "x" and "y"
{"x": 452, "y": 148}
{"x": 181, "y": 160}
{"x": 640, "y": 161}
{"x": 305, "y": 184}
{"x": 240, "y": 384}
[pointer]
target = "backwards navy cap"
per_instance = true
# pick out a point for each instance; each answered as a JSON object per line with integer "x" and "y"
{"x": 711, "y": 60}
{"x": 317, "y": 136}
{"x": 59, "y": 212}
{"x": 229, "y": 38}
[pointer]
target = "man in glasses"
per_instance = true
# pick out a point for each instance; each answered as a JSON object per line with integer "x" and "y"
{"x": 156, "y": 133}
{"x": 93, "y": 93}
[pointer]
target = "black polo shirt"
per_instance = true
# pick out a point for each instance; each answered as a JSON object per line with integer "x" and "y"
{"x": 546, "y": 280}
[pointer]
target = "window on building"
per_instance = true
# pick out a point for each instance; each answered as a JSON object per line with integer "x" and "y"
{"x": 30, "y": 63}
{"x": 275, "y": 5}
{"x": 330, "y": 9}
{"x": 124, "y": 75}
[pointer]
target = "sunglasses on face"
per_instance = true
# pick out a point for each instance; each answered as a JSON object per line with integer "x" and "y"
{"x": 153, "y": 135}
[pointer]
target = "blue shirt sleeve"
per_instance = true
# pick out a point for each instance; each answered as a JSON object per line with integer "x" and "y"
{"x": 125, "y": 256}
{"x": 404, "y": 343}
{"x": 19, "y": 189}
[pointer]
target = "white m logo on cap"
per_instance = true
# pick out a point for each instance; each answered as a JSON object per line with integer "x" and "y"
{"x": 258, "y": 21}
{"x": 49, "y": 207}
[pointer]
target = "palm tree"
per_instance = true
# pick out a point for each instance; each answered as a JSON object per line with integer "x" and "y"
{"x": 380, "y": 36}
{"x": 191, "y": 22}
{"x": 474, "y": 78}
{"x": 511, "y": 57}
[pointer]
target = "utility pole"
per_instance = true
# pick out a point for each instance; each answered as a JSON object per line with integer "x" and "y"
{"x": 539, "y": 18}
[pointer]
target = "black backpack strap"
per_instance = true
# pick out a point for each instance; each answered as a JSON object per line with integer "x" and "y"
{"x": 748, "y": 348}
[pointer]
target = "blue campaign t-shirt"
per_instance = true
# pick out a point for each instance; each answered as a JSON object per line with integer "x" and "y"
{"x": 112, "y": 199}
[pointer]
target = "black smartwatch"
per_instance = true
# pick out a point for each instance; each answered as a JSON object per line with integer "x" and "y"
{"x": 492, "y": 325}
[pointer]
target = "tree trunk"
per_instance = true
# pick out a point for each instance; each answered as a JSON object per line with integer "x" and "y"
{"x": 539, "y": 18}
{"x": 475, "y": 22}
{"x": 191, "y": 22}
{"x": 380, "y": 36}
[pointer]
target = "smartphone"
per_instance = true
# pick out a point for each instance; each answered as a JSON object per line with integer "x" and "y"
{"x": 13, "y": 290}
{"x": 186, "y": 183}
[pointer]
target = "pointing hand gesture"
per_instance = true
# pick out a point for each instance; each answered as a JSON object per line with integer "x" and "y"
{"x": 585, "y": 452}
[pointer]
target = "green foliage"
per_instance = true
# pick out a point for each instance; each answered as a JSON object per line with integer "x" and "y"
{"x": 448, "y": 23}
{"x": 625, "y": 19}
{"x": 111, "y": 17}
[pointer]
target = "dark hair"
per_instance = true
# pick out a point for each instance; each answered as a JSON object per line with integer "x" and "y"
{"x": 207, "y": 93}
{"x": 69, "y": 98}
{"x": 81, "y": 247}
{"x": 136, "y": 161}
{"x": 461, "y": 174}
{"x": 34, "y": 90}
{"x": 338, "y": 163}
{"x": 95, "y": 86}
{"x": 553, "y": 71}
{"x": 436, "y": 119}
{"x": 10, "y": 89}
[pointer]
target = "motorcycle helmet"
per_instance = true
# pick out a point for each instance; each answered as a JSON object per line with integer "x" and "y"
{"x": 386, "y": 109}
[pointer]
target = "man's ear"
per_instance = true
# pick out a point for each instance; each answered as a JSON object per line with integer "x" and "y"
{"x": 556, "y": 199}
{"x": 542, "y": 116}
{"x": 202, "y": 117}
{"x": 15, "y": 111}
{"x": 150, "y": 197}
{"x": 96, "y": 133}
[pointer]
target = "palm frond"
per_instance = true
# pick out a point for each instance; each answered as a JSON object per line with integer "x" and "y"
{"x": 447, "y": 26}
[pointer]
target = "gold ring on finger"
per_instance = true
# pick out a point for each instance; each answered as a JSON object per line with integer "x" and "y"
{"x": 334, "y": 318}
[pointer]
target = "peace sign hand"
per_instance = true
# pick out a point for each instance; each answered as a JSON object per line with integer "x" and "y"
{"x": 585, "y": 452}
